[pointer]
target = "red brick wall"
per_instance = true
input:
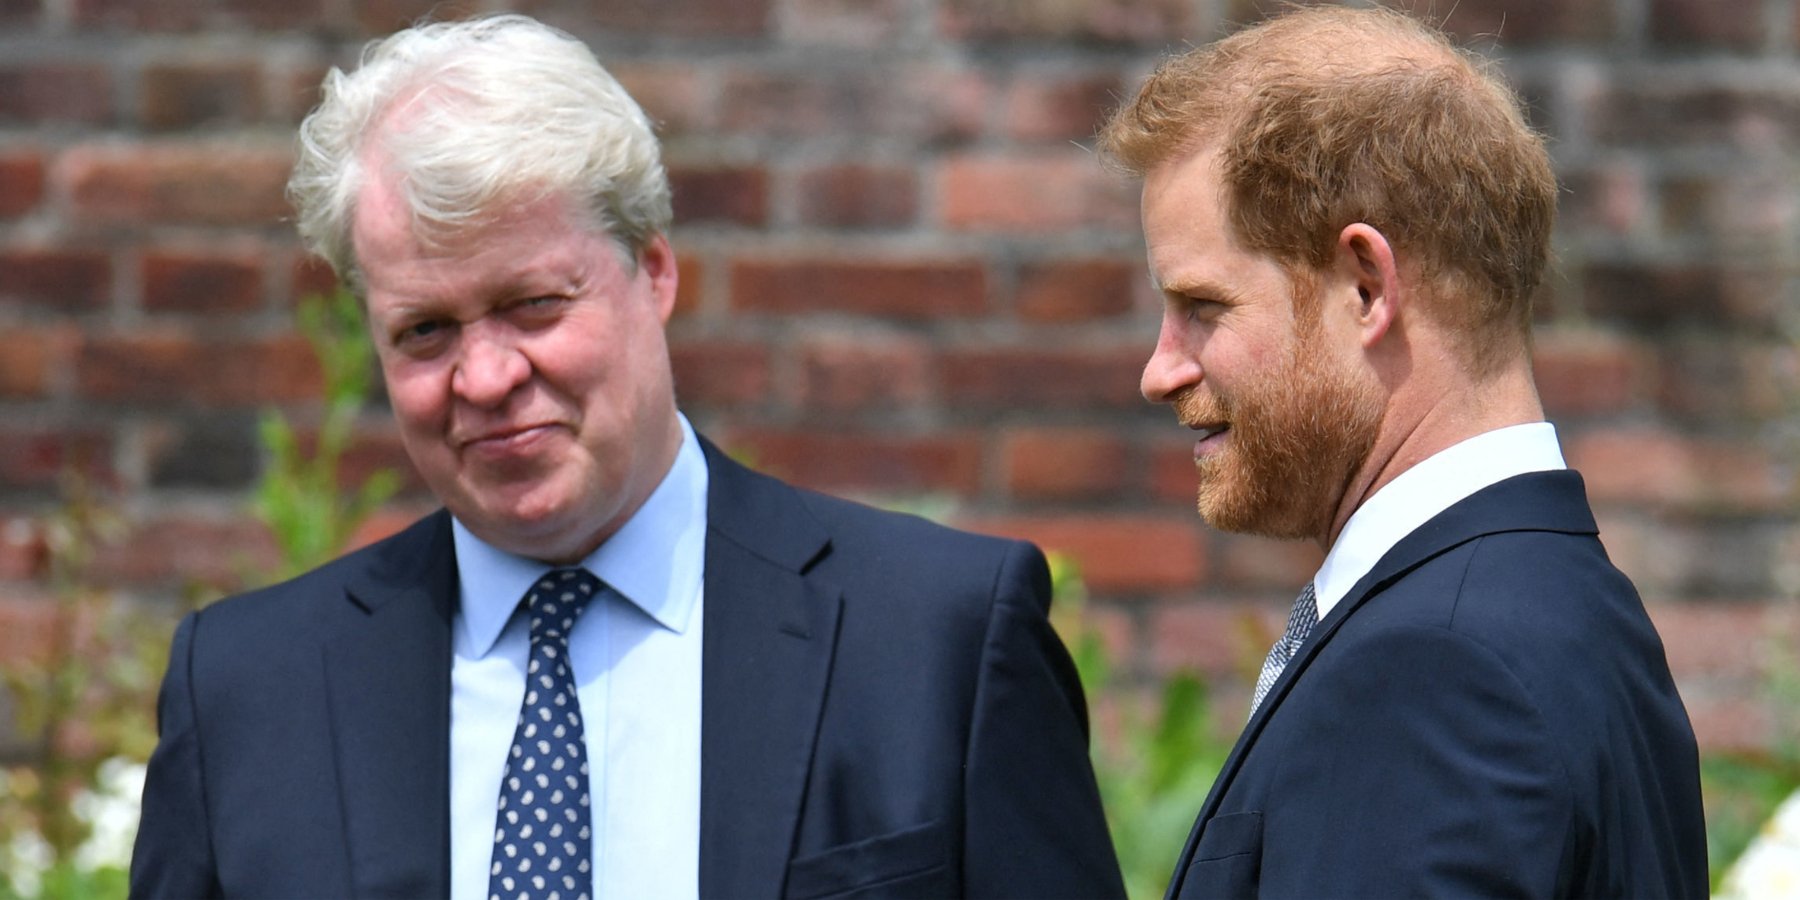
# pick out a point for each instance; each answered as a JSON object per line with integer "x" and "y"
{"x": 904, "y": 276}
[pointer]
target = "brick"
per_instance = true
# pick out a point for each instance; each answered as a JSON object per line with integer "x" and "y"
{"x": 30, "y": 359}
{"x": 1248, "y": 562}
{"x": 676, "y": 96}
{"x": 1665, "y": 297}
{"x": 21, "y": 13}
{"x": 185, "y": 95}
{"x": 309, "y": 276}
{"x": 1111, "y": 21}
{"x": 893, "y": 288}
{"x": 1747, "y": 212}
{"x": 167, "y": 368}
{"x": 24, "y": 549}
{"x": 190, "y": 548}
{"x": 136, "y": 15}
{"x": 1643, "y": 465}
{"x": 267, "y": 14}
{"x": 1171, "y": 475}
{"x": 1078, "y": 290}
{"x": 188, "y": 281}
{"x": 33, "y": 457}
{"x": 1119, "y": 553}
{"x": 866, "y": 463}
{"x": 690, "y": 284}
{"x": 21, "y": 182}
{"x": 1724, "y": 380}
{"x": 1614, "y": 199}
{"x": 1724, "y": 723}
{"x": 930, "y": 106}
{"x": 216, "y": 183}
{"x": 725, "y": 195}
{"x": 1520, "y": 23}
{"x": 55, "y": 93}
{"x": 720, "y": 372}
{"x": 1717, "y": 556}
{"x": 1669, "y": 114}
{"x": 844, "y": 373}
{"x": 389, "y": 16}
{"x": 1722, "y": 640}
{"x": 63, "y": 280}
{"x": 686, "y": 18}
{"x": 1049, "y": 463}
{"x": 387, "y": 522}
{"x": 1588, "y": 373}
{"x": 1051, "y": 378}
{"x": 293, "y": 88}
{"x": 856, "y": 195}
{"x": 1225, "y": 639}
{"x": 30, "y": 619}
{"x": 990, "y": 193}
{"x": 1690, "y": 24}
{"x": 1047, "y": 106}
{"x": 375, "y": 447}
{"x": 217, "y": 451}
{"x": 847, "y": 23}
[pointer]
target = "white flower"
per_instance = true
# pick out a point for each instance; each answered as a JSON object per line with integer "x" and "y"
{"x": 1770, "y": 866}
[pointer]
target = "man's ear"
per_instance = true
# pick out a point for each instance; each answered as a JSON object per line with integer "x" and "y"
{"x": 1366, "y": 259}
{"x": 656, "y": 261}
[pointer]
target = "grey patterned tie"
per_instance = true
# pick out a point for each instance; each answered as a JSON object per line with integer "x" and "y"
{"x": 1299, "y": 624}
{"x": 543, "y": 837}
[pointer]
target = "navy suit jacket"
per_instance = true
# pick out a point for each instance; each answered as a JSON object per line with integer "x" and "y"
{"x": 885, "y": 712}
{"x": 1488, "y": 713}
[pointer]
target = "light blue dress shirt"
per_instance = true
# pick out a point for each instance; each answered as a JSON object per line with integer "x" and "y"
{"x": 1421, "y": 492}
{"x": 636, "y": 656}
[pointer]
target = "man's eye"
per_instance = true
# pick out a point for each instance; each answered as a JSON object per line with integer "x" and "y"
{"x": 419, "y": 333}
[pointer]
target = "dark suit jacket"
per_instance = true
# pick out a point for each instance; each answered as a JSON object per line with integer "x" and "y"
{"x": 1487, "y": 713}
{"x": 885, "y": 712}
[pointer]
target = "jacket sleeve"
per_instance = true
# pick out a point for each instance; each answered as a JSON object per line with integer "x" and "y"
{"x": 1034, "y": 823}
{"x": 173, "y": 853}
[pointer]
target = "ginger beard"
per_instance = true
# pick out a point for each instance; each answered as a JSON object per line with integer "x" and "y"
{"x": 1296, "y": 438}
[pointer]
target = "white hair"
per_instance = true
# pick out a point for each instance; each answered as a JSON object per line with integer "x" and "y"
{"x": 472, "y": 116}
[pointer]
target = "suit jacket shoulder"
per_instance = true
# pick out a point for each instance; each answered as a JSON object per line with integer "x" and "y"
{"x": 940, "y": 727}
{"x": 1489, "y": 710}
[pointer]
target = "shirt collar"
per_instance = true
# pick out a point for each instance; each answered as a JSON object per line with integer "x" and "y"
{"x": 1423, "y": 491}
{"x": 654, "y": 560}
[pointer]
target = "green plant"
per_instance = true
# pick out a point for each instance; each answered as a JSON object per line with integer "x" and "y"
{"x": 67, "y": 815}
{"x": 299, "y": 496}
{"x": 85, "y": 697}
{"x": 1742, "y": 788}
{"x": 1154, "y": 765}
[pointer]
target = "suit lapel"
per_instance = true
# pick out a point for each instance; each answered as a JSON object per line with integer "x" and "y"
{"x": 387, "y": 668}
{"x": 1537, "y": 501}
{"x": 766, "y": 657}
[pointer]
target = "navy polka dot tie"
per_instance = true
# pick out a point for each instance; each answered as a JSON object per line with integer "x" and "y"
{"x": 543, "y": 836}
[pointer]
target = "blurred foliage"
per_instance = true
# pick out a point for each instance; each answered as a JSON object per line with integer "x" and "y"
{"x": 1743, "y": 788}
{"x": 1154, "y": 765}
{"x": 67, "y": 817}
{"x": 84, "y": 698}
{"x": 299, "y": 496}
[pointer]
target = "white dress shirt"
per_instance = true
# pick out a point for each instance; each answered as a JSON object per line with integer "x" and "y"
{"x": 1423, "y": 491}
{"x": 637, "y": 670}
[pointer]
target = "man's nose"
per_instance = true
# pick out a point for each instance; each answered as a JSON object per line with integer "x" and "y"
{"x": 490, "y": 369}
{"x": 1172, "y": 368}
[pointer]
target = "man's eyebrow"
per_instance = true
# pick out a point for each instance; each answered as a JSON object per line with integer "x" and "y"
{"x": 1188, "y": 285}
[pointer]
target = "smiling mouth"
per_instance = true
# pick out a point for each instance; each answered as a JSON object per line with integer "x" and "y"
{"x": 503, "y": 436}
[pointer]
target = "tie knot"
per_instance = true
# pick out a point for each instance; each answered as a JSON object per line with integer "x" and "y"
{"x": 556, "y": 601}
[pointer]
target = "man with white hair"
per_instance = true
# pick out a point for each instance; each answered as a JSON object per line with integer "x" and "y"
{"x": 616, "y": 663}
